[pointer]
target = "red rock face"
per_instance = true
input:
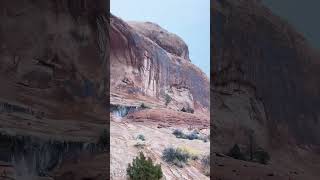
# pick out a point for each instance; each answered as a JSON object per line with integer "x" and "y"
{"x": 166, "y": 40}
{"x": 150, "y": 62}
{"x": 168, "y": 117}
{"x": 51, "y": 57}
{"x": 53, "y": 69}
{"x": 256, "y": 52}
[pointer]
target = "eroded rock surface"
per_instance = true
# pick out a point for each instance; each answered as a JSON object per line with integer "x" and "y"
{"x": 151, "y": 62}
{"x": 155, "y": 89}
{"x": 265, "y": 83}
{"x": 260, "y": 53}
{"x": 53, "y": 66}
{"x": 166, "y": 40}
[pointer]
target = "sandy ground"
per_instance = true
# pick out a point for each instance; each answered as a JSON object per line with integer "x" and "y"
{"x": 123, "y": 138}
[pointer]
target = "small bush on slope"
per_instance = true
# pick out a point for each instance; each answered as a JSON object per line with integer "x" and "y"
{"x": 143, "y": 169}
{"x": 194, "y": 135}
{"x": 178, "y": 133}
{"x": 236, "y": 153}
{"x": 175, "y": 156}
{"x": 261, "y": 156}
{"x": 193, "y": 153}
{"x": 141, "y": 137}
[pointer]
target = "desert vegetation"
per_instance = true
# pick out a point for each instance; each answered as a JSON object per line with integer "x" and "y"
{"x": 191, "y": 136}
{"x": 142, "y": 168}
{"x": 175, "y": 156}
{"x": 180, "y": 156}
{"x": 193, "y": 153}
{"x": 258, "y": 155}
{"x": 141, "y": 137}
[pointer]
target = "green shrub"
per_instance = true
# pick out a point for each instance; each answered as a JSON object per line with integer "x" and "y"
{"x": 261, "y": 156}
{"x": 193, "y": 135}
{"x": 178, "y": 133}
{"x": 141, "y": 137}
{"x": 236, "y": 153}
{"x": 175, "y": 156}
{"x": 143, "y": 169}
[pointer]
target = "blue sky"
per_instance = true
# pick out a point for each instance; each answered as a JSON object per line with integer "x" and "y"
{"x": 189, "y": 19}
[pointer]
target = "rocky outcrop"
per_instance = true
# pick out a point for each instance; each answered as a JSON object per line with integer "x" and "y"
{"x": 166, "y": 40}
{"x": 53, "y": 71}
{"x": 168, "y": 117}
{"x": 265, "y": 72}
{"x": 154, "y": 89}
{"x": 147, "y": 61}
{"x": 265, "y": 93}
{"x": 53, "y": 59}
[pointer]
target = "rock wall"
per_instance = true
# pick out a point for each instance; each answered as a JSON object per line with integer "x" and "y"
{"x": 259, "y": 57}
{"x": 148, "y": 61}
{"x": 53, "y": 58}
{"x": 166, "y": 40}
{"x": 53, "y": 71}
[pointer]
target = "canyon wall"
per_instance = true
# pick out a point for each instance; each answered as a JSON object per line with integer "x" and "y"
{"x": 146, "y": 61}
{"x": 265, "y": 77}
{"x": 53, "y": 71}
{"x": 54, "y": 59}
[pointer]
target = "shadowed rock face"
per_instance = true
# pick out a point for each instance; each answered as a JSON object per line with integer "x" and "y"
{"x": 258, "y": 57}
{"x": 150, "y": 62}
{"x": 53, "y": 58}
{"x": 53, "y": 70}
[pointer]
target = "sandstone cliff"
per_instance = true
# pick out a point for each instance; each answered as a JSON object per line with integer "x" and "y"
{"x": 265, "y": 84}
{"x": 154, "y": 89}
{"x": 53, "y": 67}
{"x": 147, "y": 62}
{"x": 258, "y": 56}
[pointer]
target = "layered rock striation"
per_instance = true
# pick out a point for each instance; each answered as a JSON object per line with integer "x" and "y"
{"x": 53, "y": 71}
{"x": 261, "y": 62}
{"x": 146, "y": 61}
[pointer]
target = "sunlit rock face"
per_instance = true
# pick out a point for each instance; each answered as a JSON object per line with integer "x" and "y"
{"x": 166, "y": 40}
{"x": 261, "y": 62}
{"x": 146, "y": 61}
